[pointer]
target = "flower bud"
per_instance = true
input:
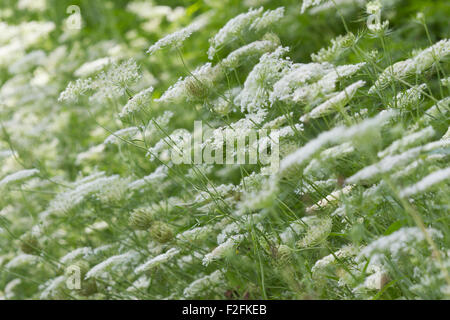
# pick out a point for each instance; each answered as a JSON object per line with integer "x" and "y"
{"x": 141, "y": 218}
{"x": 29, "y": 244}
{"x": 161, "y": 232}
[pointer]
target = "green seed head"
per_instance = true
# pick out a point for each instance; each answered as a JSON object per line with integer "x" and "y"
{"x": 141, "y": 218}
{"x": 161, "y": 232}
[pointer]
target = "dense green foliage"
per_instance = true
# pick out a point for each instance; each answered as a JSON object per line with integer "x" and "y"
{"x": 358, "y": 210}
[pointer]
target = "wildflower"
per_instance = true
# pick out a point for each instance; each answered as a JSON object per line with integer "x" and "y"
{"x": 311, "y": 187}
{"x": 418, "y": 63}
{"x": 409, "y": 98}
{"x": 446, "y": 82}
{"x": 400, "y": 242}
{"x": 373, "y": 9}
{"x": 121, "y": 134}
{"x": 32, "y": 5}
{"x": 207, "y": 282}
{"x": 223, "y": 249}
{"x": 75, "y": 254}
{"x": 18, "y": 176}
{"x": 91, "y": 67}
{"x": 260, "y": 198}
{"x": 389, "y": 163}
{"x": 75, "y": 89}
{"x": 153, "y": 178}
{"x": 337, "y": 134}
{"x": 376, "y": 281}
{"x": 310, "y": 3}
{"x": 114, "y": 191}
{"x": 284, "y": 254}
{"x": 161, "y": 232}
{"x": 111, "y": 261}
{"x": 176, "y": 140}
{"x": 90, "y": 185}
{"x": 32, "y": 59}
{"x": 10, "y": 286}
{"x": 142, "y": 283}
{"x": 333, "y": 197}
{"x": 267, "y": 19}
{"x": 309, "y": 83}
{"x": 195, "y": 234}
{"x": 317, "y": 232}
{"x": 232, "y": 29}
{"x": 177, "y": 38}
{"x": 233, "y": 60}
{"x": 298, "y": 75}
{"x": 52, "y": 288}
{"x": 194, "y": 86}
{"x": 426, "y": 183}
{"x": 141, "y": 218}
{"x": 156, "y": 261}
{"x": 438, "y": 110}
{"x": 137, "y": 102}
{"x": 93, "y": 153}
{"x": 255, "y": 94}
{"x": 335, "y": 103}
{"x": 338, "y": 46}
{"x": 407, "y": 141}
{"x": 344, "y": 252}
{"x": 115, "y": 81}
{"x": 22, "y": 260}
{"x": 223, "y": 105}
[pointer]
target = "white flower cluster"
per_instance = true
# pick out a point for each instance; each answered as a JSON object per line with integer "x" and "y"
{"x": 120, "y": 259}
{"x": 107, "y": 84}
{"x": 137, "y": 102}
{"x": 430, "y": 180}
{"x": 256, "y": 91}
{"x": 90, "y": 185}
{"x": 196, "y": 85}
{"x": 409, "y": 98}
{"x": 351, "y": 165}
{"x": 234, "y": 59}
{"x": 18, "y": 176}
{"x": 415, "y": 65}
{"x": 156, "y": 261}
{"x": 338, "y": 46}
{"x": 91, "y": 67}
{"x": 390, "y": 162}
{"x": 177, "y": 38}
{"x": 207, "y": 282}
{"x": 232, "y": 29}
{"x": 223, "y": 249}
{"x": 400, "y": 242}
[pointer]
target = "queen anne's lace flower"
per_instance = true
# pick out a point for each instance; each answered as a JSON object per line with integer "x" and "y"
{"x": 177, "y": 38}
{"x": 232, "y": 29}
{"x": 432, "y": 179}
{"x": 156, "y": 261}
{"x": 269, "y": 18}
{"x": 418, "y": 63}
{"x": 207, "y": 282}
{"x": 338, "y": 46}
{"x": 223, "y": 249}
{"x": 91, "y": 67}
{"x": 256, "y": 91}
{"x": 335, "y": 103}
{"x": 18, "y": 176}
{"x": 137, "y": 102}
